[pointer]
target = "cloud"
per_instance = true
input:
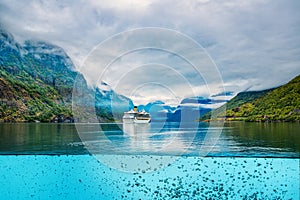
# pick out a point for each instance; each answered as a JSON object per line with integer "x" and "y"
{"x": 159, "y": 57}
{"x": 226, "y": 93}
{"x": 255, "y": 44}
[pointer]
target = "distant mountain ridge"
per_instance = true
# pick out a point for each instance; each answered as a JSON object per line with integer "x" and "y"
{"x": 36, "y": 84}
{"x": 277, "y": 104}
{"x": 188, "y": 110}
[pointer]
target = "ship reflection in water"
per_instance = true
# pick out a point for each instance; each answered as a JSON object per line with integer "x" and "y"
{"x": 139, "y": 134}
{"x": 157, "y": 138}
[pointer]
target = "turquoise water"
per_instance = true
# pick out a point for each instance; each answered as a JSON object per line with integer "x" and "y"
{"x": 246, "y": 161}
{"x": 83, "y": 177}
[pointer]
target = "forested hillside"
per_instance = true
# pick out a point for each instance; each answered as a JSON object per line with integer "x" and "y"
{"x": 36, "y": 84}
{"x": 279, "y": 104}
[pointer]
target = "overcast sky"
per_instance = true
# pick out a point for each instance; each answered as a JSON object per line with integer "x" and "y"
{"x": 254, "y": 44}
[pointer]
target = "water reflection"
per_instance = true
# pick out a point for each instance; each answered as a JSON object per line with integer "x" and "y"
{"x": 39, "y": 138}
{"x": 162, "y": 138}
{"x": 265, "y": 137}
{"x": 237, "y": 139}
{"x": 138, "y": 135}
{"x": 136, "y": 130}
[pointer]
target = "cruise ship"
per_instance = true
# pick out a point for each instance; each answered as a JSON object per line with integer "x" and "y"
{"x": 135, "y": 116}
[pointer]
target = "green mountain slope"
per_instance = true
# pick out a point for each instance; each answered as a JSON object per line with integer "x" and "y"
{"x": 26, "y": 99}
{"x": 36, "y": 84}
{"x": 31, "y": 88}
{"x": 279, "y": 104}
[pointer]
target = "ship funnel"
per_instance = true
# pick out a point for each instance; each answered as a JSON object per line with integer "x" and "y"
{"x": 135, "y": 108}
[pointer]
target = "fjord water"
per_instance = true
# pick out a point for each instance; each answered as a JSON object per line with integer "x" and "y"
{"x": 237, "y": 139}
{"x": 248, "y": 160}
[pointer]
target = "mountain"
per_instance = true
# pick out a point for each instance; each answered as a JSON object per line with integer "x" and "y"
{"x": 191, "y": 108}
{"x": 111, "y": 106}
{"x": 277, "y": 104}
{"x": 36, "y": 84}
{"x": 187, "y": 114}
{"x": 188, "y": 110}
{"x": 200, "y": 100}
{"x": 27, "y": 86}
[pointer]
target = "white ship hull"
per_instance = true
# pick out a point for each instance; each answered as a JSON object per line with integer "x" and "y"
{"x": 142, "y": 121}
{"x": 134, "y": 116}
